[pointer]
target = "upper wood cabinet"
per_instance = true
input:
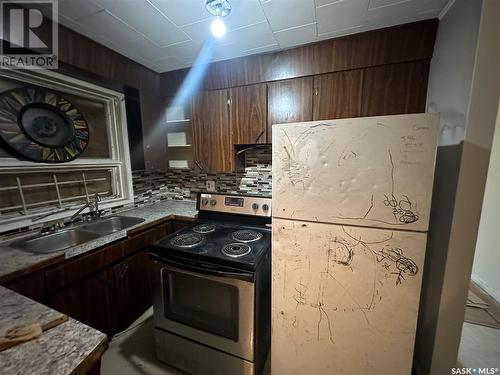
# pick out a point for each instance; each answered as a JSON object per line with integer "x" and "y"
{"x": 395, "y": 89}
{"x": 213, "y": 150}
{"x": 247, "y": 114}
{"x": 289, "y": 101}
{"x": 337, "y": 95}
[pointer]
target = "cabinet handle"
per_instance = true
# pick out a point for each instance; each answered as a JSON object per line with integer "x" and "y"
{"x": 259, "y": 136}
{"x": 104, "y": 280}
{"x": 123, "y": 270}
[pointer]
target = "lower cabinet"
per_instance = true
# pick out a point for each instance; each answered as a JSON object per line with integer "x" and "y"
{"x": 109, "y": 300}
{"x": 87, "y": 300}
{"x": 107, "y": 288}
{"x": 131, "y": 291}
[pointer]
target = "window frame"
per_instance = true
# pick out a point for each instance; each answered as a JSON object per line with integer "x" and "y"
{"x": 116, "y": 127}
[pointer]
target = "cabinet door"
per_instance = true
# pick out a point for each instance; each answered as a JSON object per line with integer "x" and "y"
{"x": 248, "y": 113}
{"x": 289, "y": 101}
{"x": 395, "y": 89}
{"x": 337, "y": 95}
{"x": 213, "y": 150}
{"x": 131, "y": 290}
{"x": 31, "y": 286}
{"x": 88, "y": 301}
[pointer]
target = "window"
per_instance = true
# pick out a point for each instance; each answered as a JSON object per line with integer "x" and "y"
{"x": 34, "y": 192}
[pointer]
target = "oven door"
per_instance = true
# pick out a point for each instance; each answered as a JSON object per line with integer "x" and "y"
{"x": 207, "y": 305}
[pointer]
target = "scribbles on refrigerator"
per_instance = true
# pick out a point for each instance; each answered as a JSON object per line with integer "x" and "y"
{"x": 368, "y": 171}
{"x": 334, "y": 284}
{"x": 403, "y": 265}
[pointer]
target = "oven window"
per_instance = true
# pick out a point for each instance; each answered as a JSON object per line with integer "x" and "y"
{"x": 204, "y": 304}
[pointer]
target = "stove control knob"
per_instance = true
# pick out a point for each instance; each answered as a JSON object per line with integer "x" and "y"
{"x": 204, "y": 201}
{"x": 255, "y": 206}
{"x": 265, "y": 207}
{"x": 213, "y": 202}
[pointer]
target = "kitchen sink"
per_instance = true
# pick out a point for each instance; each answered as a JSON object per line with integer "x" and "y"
{"x": 66, "y": 238}
{"x": 60, "y": 240}
{"x": 112, "y": 224}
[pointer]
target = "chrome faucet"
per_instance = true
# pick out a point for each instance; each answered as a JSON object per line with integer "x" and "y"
{"x": 93, "y": 209}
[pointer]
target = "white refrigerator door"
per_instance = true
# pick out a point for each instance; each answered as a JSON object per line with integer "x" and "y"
{"x": 344, "y": 299}
{"x": 371, "y": 171}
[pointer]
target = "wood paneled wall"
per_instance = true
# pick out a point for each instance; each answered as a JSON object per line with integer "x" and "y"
{"x": 399, "y": 44}
{"x": 82, "y": 57}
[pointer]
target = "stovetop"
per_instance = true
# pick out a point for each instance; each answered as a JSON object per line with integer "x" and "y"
{"x": 219, "y": 243}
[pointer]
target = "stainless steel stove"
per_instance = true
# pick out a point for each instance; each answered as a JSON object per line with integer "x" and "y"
{"x": 212, "y": 288}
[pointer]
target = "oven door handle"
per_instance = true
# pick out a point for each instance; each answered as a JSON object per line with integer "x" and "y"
{"x": 245, "y": 276}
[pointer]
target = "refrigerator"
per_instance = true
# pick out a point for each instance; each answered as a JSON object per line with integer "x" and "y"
{"x": 351, "y": 205}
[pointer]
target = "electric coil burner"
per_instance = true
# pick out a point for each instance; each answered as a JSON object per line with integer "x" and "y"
{"x": 246, "y": 235}
{"x": 212, "y": 288}
{"x": 204, "y": 228}
{"x": 236, "y": 250}
{"x": 187, "y": 240}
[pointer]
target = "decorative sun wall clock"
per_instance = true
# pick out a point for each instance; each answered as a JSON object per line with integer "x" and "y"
{"x": 42, "y": 125}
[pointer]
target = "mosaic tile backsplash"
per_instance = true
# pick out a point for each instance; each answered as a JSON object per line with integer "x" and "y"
{"x": 151, "y": 186}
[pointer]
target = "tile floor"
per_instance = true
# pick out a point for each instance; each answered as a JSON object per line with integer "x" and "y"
{"x": 133, "y": 352}
{"x": 479, "y": 346}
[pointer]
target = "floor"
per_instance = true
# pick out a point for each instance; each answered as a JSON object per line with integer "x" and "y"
{"x": 480, "y": 345}
{"x": 132, "y": 352}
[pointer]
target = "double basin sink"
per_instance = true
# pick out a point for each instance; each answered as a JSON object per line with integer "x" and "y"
{"x": 77, "y": 235}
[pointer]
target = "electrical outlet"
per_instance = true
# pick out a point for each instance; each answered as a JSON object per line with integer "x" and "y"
{"x": 210, "y": 185}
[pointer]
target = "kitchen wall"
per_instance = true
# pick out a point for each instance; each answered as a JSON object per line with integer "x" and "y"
{"x": 180, "y": 184}
{"x": 487, "y": 257}
{"x": 443, "y": 329}
{"x": 449, "y": 91}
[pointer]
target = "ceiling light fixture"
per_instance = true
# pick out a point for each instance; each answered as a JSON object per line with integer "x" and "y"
{"x": 218, "y": 8}
{"x": 218, "y": 28}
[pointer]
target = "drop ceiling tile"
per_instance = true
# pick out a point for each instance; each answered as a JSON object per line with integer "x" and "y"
{"x": 341, "y": 15}
{"x": 342, "y": 32}
{"x": 262, "y": 49}
{"x": 77, "y": 9}
{"x": 244, "y": 13}
{"x": 403, "y": 12}
{"x": 183, "y": 12}
{"x": 145, "y": 18}
{"x": 147, "y": 49}
{"x": 283, "y": 14}
{"x": 227, "y": 51}
{"x": 198, "y": 31}
{"x": 185, "y": 51}
{"x": 321, "y": 3}
{"x": 109, "y": 27}
{"x": 249, "y": 37}
{"x": 296, "y": 36}
{"x": 169, "y": 63}
{"x": 383, "y": 3}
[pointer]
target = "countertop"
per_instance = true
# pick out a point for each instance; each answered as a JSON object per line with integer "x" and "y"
{"x": 61, "y": 350}
{"x": 13, "y": 260}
